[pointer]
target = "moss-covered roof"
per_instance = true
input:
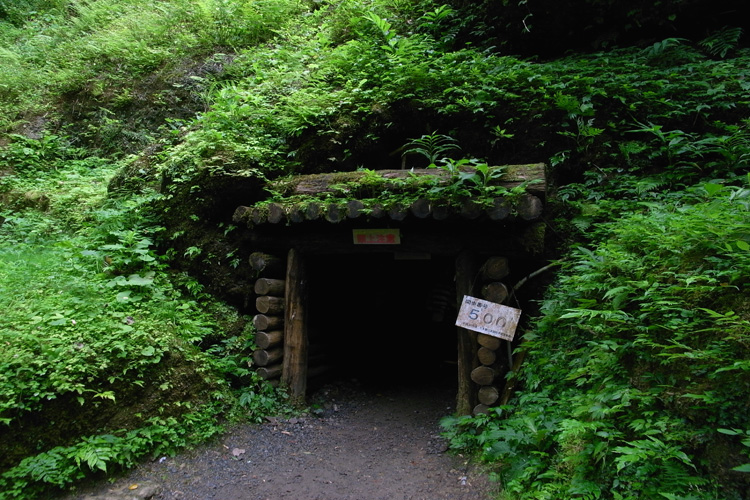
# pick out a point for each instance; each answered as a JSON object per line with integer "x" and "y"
{"x": 468, "y": 192}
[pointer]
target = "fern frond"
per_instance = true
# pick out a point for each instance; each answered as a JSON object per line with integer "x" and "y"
{"x": 722, "y": 42}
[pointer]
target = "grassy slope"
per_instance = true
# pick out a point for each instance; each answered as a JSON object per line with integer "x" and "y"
{"x": 339, "y": 87}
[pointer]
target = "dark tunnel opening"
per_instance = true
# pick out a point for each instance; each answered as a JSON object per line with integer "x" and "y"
{"x": 383, "y": 320}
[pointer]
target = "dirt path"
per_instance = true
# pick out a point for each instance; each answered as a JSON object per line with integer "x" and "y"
{"x": 363, "y": 444}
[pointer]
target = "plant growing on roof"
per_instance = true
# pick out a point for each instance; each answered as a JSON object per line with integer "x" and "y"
{"x": 432, "y": 146}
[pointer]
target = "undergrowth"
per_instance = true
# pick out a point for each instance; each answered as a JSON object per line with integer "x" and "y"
{"x": 636, "y": 375}
{"x": 96, "y": 323}
{"x": 637, "y": 368}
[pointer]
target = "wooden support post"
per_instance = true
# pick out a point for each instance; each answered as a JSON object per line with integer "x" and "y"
{"x": 294, "y": 375}
{"x": 466, "y": 270}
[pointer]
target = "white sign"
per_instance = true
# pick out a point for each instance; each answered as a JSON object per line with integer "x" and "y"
{"x": 489, "y": 318}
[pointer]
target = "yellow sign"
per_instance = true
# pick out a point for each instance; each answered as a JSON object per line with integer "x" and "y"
{"x": 377, "y": 236}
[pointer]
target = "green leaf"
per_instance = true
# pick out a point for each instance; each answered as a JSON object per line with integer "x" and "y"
{"x": 712, "y": 188}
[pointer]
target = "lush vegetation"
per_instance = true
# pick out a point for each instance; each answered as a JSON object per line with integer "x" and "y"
{"x": 638, "y": 367}
{"x": 132, "y": 129}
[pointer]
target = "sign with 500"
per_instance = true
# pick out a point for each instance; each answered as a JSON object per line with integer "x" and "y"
{"x": 489, "y": 318}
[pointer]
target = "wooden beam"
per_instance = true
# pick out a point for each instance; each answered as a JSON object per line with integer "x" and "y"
{"x": 294, "y": 374}
{"x": 494, "y": 292}
{"x": 264, "y": 322}
{"x": 267, "y": 304}
{"x": 265, "y": 264}
{"x": 264, "y": 340}
{"x": 269, "y": 286}
{"x": 264, "y": 357}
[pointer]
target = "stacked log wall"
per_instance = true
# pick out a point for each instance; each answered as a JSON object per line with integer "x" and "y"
{"x": 492, "y": 352}
{"x": 269, "y": 322}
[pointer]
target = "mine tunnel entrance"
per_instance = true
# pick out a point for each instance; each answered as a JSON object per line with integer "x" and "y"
{"x": 382, "y": 319}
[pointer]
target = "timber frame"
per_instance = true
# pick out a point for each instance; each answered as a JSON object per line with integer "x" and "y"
{"x": 484, "y": 241}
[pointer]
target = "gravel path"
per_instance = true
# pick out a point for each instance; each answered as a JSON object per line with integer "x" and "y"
{"x": 364, "y": 443}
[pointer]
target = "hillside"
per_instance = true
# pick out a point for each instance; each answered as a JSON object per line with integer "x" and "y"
{"x": 130, "y": 132}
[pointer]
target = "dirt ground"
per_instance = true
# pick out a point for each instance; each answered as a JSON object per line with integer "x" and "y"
{"x": 360, "y": 443}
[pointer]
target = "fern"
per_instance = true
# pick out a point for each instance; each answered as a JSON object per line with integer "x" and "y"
{"x": 432, "y": 146}
{"x": 722, "y": 42}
